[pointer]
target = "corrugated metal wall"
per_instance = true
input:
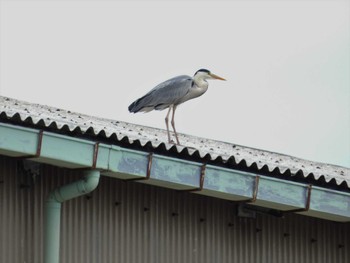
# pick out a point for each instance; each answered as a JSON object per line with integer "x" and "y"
{"x": 131, "y": 222}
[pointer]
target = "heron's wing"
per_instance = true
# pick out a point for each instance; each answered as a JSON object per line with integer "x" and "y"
{"x": 163, "y": 95}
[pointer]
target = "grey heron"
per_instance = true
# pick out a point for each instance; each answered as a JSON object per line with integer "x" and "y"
{"x": 171, "y": 93}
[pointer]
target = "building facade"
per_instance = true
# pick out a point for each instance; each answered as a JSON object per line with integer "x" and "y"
{"x": 155, "y": 204}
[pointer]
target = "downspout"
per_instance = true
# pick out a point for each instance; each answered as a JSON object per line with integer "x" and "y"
{"x": 53, "y": 211}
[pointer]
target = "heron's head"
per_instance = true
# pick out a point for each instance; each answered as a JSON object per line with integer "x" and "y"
{"x": 206, "y": 74}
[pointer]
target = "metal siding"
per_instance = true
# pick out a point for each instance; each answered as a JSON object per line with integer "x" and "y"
{"x": 132, "y": 222}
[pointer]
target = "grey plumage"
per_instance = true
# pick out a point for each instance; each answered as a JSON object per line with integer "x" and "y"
{"x": 163, "y": 95}
{"x": 173, "y": 92}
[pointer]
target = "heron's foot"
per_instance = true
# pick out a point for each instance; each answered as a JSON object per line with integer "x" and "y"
{"x": 177, "y": 139}
{"x": 173, "y": 142}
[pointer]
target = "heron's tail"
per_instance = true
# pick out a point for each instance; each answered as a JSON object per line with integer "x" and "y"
{"x": 132, "y": 107}
{"x": 137, "y": 105}
{"x": 141, "y": 105}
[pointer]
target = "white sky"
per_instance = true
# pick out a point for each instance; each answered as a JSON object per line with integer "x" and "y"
{"x": 287, "y": 65}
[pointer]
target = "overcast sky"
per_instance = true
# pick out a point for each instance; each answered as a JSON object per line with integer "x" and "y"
{"x": 287, "y": 65}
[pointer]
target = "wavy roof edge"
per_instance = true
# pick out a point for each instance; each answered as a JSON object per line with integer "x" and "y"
{"x": 60, "y": 120}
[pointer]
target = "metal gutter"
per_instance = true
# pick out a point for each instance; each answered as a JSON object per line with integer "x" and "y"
{"x": 178, "y": 174}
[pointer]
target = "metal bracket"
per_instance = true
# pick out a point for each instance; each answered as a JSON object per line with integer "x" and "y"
{"x": 38, "y": 148}
{"x": 255, "y": 192}
{"x": 28, "y": 171}
{"x": 201, "y": 180}
{"x": 94, "y": 159}
{"x": 307, "y": 203}
{"x": 148, "y": 172}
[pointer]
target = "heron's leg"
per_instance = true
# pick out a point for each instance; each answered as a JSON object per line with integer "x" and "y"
{"x": 173, "y": 124}
{"x": 167, "y": 124}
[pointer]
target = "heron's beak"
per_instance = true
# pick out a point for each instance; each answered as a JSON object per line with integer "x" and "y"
{"x": 216, "y": 76}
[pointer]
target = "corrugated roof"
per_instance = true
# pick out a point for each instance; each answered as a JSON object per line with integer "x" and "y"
{"x": 60, "y": 120}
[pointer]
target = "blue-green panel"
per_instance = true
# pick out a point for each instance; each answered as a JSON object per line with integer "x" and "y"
{"x": 19, "y": 141}
{"x": 103, "y": 156}
{"x": 178, "y": 172}
{"x": 65, "y": 149}
{"x": 282, "y": 192}
{"x": 330, "y": 201}
{"x": 127, "y": 161}
{"x": 229, "y": 182}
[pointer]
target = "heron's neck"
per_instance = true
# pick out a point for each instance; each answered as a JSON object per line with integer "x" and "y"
{"x": 200, "y": 82}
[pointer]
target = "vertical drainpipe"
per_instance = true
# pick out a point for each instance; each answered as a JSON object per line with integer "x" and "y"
{"x": 53, "y": 211}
